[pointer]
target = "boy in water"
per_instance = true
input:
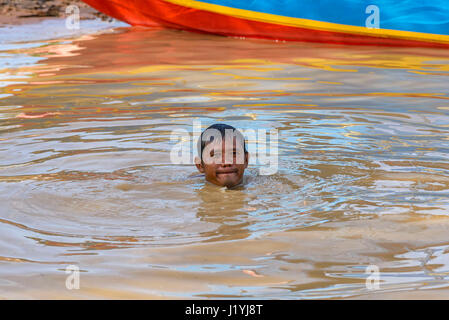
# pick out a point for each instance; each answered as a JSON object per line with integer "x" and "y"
{"x": 223, "y": 155}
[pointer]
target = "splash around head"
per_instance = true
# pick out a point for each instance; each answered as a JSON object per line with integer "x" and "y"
{"x": 223, "y": 153}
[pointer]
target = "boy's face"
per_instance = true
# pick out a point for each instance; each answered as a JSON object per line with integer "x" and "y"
{"x": 223, "y": 165}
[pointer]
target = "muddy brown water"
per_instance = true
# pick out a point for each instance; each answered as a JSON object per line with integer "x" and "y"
{"x": 86, "y": 177}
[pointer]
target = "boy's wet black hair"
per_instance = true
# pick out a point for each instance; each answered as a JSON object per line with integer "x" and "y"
{"x": 221, "y": 127}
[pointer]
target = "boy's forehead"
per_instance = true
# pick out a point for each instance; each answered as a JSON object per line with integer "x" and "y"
{"x": 236, "y": 141}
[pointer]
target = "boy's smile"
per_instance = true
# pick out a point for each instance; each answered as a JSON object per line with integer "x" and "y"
{"x": 227, "y": 171}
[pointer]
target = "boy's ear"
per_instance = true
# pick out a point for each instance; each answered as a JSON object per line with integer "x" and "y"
{"x": 199, "y": 165}
{"x": 246, "y": 159}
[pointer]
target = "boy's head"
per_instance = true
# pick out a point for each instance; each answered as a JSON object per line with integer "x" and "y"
{"x": 223, "y": 157}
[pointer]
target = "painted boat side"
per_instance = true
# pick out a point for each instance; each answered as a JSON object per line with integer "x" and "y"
{"x": 211, "y": 18}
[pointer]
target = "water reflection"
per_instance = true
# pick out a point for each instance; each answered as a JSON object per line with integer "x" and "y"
{"x": 226, "y": 209}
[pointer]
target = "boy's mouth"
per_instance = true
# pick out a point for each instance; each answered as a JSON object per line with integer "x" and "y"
{"x": 227, "y": 171}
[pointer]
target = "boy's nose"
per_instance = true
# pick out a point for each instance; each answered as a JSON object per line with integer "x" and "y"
{"x": 224, "y": 163}
{"x": 223, "y": 159}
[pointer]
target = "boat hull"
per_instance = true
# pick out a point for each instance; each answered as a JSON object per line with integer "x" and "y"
{"x": 229, "y": 19}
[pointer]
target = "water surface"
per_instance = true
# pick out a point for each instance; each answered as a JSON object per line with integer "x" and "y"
{"x": 86, "y": 177}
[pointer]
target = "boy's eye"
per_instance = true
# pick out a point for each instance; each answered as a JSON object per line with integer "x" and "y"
{"x": 219, "y": 154}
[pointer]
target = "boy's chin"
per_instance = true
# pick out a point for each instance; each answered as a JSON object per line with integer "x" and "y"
{"x": 229, "y": 183}
{"x": 226, "y": 182}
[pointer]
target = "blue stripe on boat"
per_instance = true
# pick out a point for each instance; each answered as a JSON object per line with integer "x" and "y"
{"x": 408, "y": 15}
